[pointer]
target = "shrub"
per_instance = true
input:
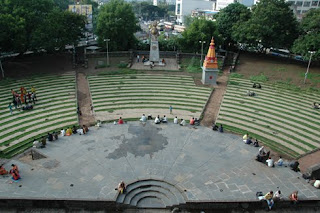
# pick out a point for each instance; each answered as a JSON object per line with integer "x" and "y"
{"x": 259, "y": 78}
{"x": 122, "y": 65}
{"x": 236, "y": 75}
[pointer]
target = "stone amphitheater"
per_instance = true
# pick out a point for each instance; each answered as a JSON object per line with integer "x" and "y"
{"x": 164, "y": 165}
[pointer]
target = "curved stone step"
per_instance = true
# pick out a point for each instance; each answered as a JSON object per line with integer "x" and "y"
{"x": 149, "y": 182}
{"x": 150, "y": 202}
{"x": 171, "y": 197}
{"x": 146, "y": 193}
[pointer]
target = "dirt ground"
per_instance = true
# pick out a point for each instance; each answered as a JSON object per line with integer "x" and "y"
{"x": 278, "y": 69}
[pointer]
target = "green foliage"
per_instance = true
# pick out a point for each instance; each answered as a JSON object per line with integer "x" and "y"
{"x": 234, "y": 83}
{"x": 199, "y": 30}
{"x": 117, "y": 22}
{"x": 259, "y": 78}
{"x": 118, "y": 72}
{"x": 310, "y": 39}
{"x": 193, "y": 66}
{"x": 272, "y": 24}
{"x": 36, "y": 25}
{"x": 236, "y": 75}
{"x": 229, "y": 17}
{"x": 168, "y": 44}
{"x": 122, "y": 65}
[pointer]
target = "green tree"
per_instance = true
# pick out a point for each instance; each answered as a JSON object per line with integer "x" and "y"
{"x": 59, "y": 29}
{"x": 199, "y": 30}
{"x": 272, "y": 24}
{"x": 35, "y": 25}
{"x": 229, "y": 17}
{"x": 12, "y": 33}
{"x": 117, "y": 22}
{"x": 309, "y": 40}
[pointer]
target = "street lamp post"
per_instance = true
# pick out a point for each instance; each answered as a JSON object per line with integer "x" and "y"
{"x": 201, "y": 42}
{"x": 1, "y": 69}
{"x": 306, "y": 74}
{"x": 107, "y": 40}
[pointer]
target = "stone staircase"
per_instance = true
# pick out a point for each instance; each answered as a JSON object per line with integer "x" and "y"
{"x": 151, "y": 193}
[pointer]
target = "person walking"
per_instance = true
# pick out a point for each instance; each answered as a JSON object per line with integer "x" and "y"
{"x": 10, "y": 108}
{"x": 170, "y": 108}
{"x": 138, "y": 58}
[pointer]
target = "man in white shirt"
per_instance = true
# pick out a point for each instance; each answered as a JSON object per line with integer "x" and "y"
{"x": 143, "y": 118}
{"x": 157, "y": 120}
{"x": 183, "y": 122}
{"x": 270, "y": 162}
{"x": 164, "y": 120}
{"x": 317, "y": 184}
{"x": 63, "y": 132}
{"x": 280, "y": 161}
{"x": 175, "y": 120}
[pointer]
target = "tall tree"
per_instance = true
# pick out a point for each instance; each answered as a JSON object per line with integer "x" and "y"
{"x": 272, "y": 24}
{"x": 59, "y": 29}
{"x": 230, "y": 16}
{"x": 199, "y": 30}
{"x": 117, "y": 22}
{"x": 309, "y": 40}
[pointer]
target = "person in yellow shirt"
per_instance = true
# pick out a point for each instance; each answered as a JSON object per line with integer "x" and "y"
{"x": 269, "y": 199}
{"x": 33, "y": 90}
{"x": 245, "y": 137}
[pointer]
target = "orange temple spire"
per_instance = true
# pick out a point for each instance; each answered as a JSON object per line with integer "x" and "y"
{"x": 211, "y": 61}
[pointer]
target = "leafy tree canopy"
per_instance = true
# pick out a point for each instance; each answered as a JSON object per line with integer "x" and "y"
{"x": 272, "y": 24}
{"x": 117, "y": 22}
{"x": 199, "y": 30}
{"x": 231, "y": 16}
{"x": 26, "y": 25}
{"x": 310, "y": 39}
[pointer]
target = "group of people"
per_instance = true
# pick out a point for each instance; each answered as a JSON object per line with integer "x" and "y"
{"x": 14, "y": 171}
{"x": 74, "y": 130}
{"x": 25, "y": 97}
{"x": 43, "y": 141}
{"x": 164, "y": 119}
{"x": 217, "y": 128}
{"x": 271, "y": 197}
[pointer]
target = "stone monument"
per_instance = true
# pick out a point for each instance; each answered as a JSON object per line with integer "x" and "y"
{"x": 210, "y": 66}
{"x": 154, "y": 44}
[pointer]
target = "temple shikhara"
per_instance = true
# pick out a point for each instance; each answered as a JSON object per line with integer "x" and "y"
{"x": 210, "y": 66}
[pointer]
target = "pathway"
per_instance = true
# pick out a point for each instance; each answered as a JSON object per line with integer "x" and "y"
{"x": 84, "y": 100}
{"x": 171, "y": 64}
{"x": 212, "y": 110}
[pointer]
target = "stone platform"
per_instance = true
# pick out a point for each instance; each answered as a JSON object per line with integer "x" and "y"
{"x": 190, "y": 164}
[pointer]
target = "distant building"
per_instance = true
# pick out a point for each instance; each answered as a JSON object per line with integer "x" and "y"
{"x": 185, "y": 7}
{"x": 302, "y": 6}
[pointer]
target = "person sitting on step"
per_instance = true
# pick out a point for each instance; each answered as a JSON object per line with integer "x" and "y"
{"x": 245, "y": 137}
{"x": 121, "y": 187}
{"x": 150, "y": 117}
{"x": 191, "y": 121}
{"x": 248, "y": 141}
{"x": 74, "y": 129}
{"x": 270, "y": 162}
{"x": 85, "y": 129}
{"x": 215, "y": 127}
{"x": 143, "y": 118}
{"x": 98, "y": 123}
{"x": 120, "y": 121}
{"x": 196, "y": 122}
{"x": 175, "y": 120}
{"x": 3, "y": 171}
{"x": 293, "y": 197}
{"x": 221, "y": 128}
{"x": 157, "y": 120}
{"x": 254, "y": 85}
{"x": 259, "y": 86}
{"x": 164, "y": 119}
{"x": 43, "y": 142}
{"x": 37, "y": 144}
{"x": 256, "y": 143}
{"x": 251, "y": 94}
{"x": 62, "y": 132}
{"x": 50, "y": 137}
{"x": 55, "y": 136}
{"x": 69, "y": 131}
{"x": 316, "y": 106}
{"x": 183, "y": 122}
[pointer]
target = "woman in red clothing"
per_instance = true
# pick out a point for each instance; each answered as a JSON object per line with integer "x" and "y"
{"x": 120, "y": 121}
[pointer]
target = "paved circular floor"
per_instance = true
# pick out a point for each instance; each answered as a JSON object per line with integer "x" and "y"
{"x": 203, "y": 164}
